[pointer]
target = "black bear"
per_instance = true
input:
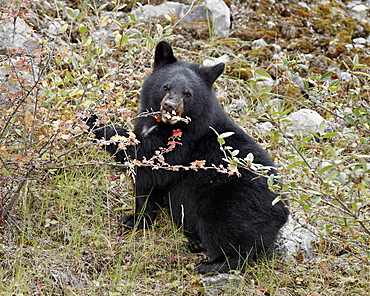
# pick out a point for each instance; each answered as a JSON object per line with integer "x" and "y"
{"x": 232, "y": 218}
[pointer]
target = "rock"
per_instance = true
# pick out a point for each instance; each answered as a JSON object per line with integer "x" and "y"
{"x": 217, "y": 10}
{"x": 359, "y": 40}
{"x": 264, "y": 81}
{"x": 346, "y": 76}
{"x": 295, "y": 240}
{"x": 220, "y": 17}
{"x": 17, "y": 34}
{"x": 259, "y": 43}
{"x": 214, "y": 61}
{"x": 265, "y": 126}
{"x": 304, "y": 121}
{"x": 359, "y": 11}
{"x": 222, "y": 284}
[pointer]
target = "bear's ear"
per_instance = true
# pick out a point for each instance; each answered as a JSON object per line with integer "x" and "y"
{"x": 163, "y": 55}
{"x": 210, "y": 74}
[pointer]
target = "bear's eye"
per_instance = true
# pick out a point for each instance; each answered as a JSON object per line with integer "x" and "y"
{"x": 166, "y": 87}
{"x": 187, "y": 93}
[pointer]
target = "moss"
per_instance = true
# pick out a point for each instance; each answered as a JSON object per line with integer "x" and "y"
{"x": 289, "y": 90}
{"x": 239, "y": 69}
{"x": 292, "y": 10}
{"x": 303, "y": 46}
{"x": 335, "y": 50}
{"x": 344, "y": 36}
{"x": 323, "y": 26}
{"x": 260, "y": 54}
{"x": 199, "y": 29}
{"x": 249, "y": 34}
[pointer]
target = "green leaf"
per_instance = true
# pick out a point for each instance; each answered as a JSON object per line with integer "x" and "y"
{"x": 220, "y": 140}
{"x": 69, "y": 77}
{"x": 276, "y": 200}
{"x": 271, "y": 181}
{"x": 322, "y": 127}
{"x": 73, "y": 12}
{"x": 325, "y": 168}
{"x": 262, "y": 73}
{"x": 326, "y": 76}
{"x": 283, "y": 67}
{"x": 249, "y": 158}
{"x": 234, "y": 153}
{"x": 226, "y": 135}
{"x": 329, "y": 135}
{"x": 342, "y": 177}
{"x": 82, "y": 29}
{"x": 291, "y": 166}
{"x": 302, "y": 66}
{"x": 355, "y": 60}
{"x": 316, "y": 199}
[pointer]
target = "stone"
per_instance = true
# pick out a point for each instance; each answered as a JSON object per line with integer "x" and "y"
{"x": 296, "y": 240}
{"x": 359, "y": 40}
{"x": 217, "y": 11}
{"x": 17, "y": 34}
{"x": 220, "y": 16}
{"x": 304, "y": 121}
{"x": 214, "y": 61}
{"x": 259, "y": 43}
{"x": 221, "y": 284}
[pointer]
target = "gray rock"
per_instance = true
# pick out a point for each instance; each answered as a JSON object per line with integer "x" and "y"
{"x": 220, "y": 16}
{"x": 346, "y": 76}
{"x": 222, "y": 284}
{"x": 217, "y": 9}
{"x": 359, "y": 40}
{"x": 265, "y": 126}
{"x": 304, "y": 121}
{"x": 214, "y": 61}
{"x": 17, "y": 34}
{"x": 259, "y": 43}
{"x": 294, "y": 239}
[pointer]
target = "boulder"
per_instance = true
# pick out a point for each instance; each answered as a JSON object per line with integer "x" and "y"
{"x": 295, "y": 240}
{"x": 305, "y": 120}
{"x": 17, "y": 34}
{"x": 217, "y": 10}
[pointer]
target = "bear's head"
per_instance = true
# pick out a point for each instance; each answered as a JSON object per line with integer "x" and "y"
{"x": 178, "y": 89}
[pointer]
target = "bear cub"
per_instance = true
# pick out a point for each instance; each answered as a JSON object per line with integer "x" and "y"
{"x": 232, "y": 218}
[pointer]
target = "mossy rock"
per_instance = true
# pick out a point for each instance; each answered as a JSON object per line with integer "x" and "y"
{"x": 249, "y": 34}
{"x": 335, "y": 50}
{"x": 323, "y": 26}
{"x": 260, "y": 54}
{"x": 239, "y": 68}
{"x": 199, "y": 29}
{"x": 292, "y": 10}
{"x": 289, "y": 91}
{"x": 344, "y": 36}
{"x": 303, "y": 46}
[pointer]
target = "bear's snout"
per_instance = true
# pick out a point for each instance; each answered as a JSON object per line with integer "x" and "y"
{"x": 169, "y": 106}
{"x": 172, "y": 107}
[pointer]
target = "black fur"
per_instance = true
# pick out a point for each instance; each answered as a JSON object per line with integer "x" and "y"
{"x": 230, "y": 218}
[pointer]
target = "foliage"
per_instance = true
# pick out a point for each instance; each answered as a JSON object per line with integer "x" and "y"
{"x": 60, "y": 204}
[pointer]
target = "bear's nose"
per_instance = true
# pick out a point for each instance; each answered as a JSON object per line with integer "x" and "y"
{"x": 169, "y": 106}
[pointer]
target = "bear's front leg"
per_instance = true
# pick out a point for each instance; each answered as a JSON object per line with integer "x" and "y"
{"x": 145, "y": 214}
{"x": 146, "y": 209}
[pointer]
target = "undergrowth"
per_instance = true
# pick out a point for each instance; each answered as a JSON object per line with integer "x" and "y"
{"x": 61, "y": 197}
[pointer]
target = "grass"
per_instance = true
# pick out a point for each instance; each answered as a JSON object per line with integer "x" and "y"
{"x": 61, "y": 236}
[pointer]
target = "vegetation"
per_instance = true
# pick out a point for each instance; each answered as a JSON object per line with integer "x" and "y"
{"x": 61, "y": 197}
